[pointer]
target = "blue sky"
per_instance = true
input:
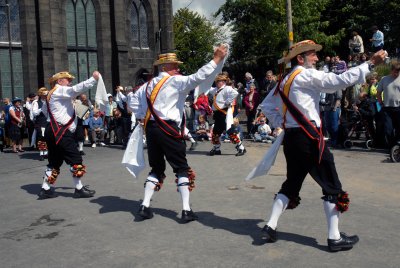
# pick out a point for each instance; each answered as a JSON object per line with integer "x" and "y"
{"x": 203, "y": 7}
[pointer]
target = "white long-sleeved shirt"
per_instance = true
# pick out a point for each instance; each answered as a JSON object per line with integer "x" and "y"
{"x": 36, "y": 110}
{"x": 224, "y": 98}
{"x": 61, "y": 101}
{"x": 170, "y": 101}
{"x": 305, "y": 93}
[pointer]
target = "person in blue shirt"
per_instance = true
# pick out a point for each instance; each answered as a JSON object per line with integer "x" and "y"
{"x": 377, "y": 40}
{"x": 97, "y": 128}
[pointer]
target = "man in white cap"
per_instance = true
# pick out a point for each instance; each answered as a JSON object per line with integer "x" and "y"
{"x": 294, "y": 106}
{"x": 60, "y": 133}
{"x": 159, "y": 103}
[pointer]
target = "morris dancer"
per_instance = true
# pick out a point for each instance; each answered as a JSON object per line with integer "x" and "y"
{"x": 295, "y": 106}
{"x": 223, "y": 98}
{"x": 60, "y": 136}
{"x": 40, "y": 120}
{"x": 160, "y": 104}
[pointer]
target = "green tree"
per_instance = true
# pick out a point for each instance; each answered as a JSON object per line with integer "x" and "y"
{"x": 360, "y": 16}
{"x": 194, "y": 38}
{"x": 260, "y": 30}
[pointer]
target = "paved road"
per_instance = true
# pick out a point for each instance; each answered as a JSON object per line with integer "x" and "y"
{"x": 105, "y": 231}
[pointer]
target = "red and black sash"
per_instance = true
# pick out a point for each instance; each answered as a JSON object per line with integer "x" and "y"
{"x": 164, "y": 125}
{"x": 308, "y": 127}
{"x": 58, "y": 129}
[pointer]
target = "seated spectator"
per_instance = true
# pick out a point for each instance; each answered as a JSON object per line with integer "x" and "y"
{"x": 203, "y": 129}
{"x": 256, "y": 123}
{"x": 97, "y": 129}
{"x": 264, "y": 133}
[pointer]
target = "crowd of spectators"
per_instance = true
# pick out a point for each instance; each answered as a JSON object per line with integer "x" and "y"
{"x": 379, "y": 113}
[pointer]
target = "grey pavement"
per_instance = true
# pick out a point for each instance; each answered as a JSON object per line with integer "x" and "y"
{"x": 105, "y": 231}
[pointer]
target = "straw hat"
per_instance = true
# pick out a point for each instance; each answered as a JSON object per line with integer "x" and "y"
{"x": 60, "y": 75}
{"x": 42, "y": 91}
{"x": 301, "y": 47}
{"x": 167, "y": 58}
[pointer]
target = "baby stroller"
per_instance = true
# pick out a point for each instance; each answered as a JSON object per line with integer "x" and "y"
{"x": 353, "y": 128}
{"x": 395, "y": 153}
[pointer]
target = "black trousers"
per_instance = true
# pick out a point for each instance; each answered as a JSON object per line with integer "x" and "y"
{"x": 160, "y": 145}
{"x": 219, "y": 122}
{"x": 393, "y": 133}
{"x": 301, "y": 154}
{"x": 65, "y": 150}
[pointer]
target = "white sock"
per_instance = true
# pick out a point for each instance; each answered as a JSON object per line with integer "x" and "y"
{"x": 217, "y": 147}
{"x": 46, "y": 184}
{"x": 46, "y": 152}
{"x": 80, "y": 144}
{"x": 41, "y": 153}
{"x": 192, "y": 140}
{"x": 332, "y": 219}
{"x": 149, "y": 191}
{"x": 185, "y": 193}
{"x": 279, "y": 206}
{"x": 78, "y": 183}
{"x": 240, "y": 146}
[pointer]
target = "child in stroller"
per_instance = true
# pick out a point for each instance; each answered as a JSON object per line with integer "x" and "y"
{"x": 359, "y": 121}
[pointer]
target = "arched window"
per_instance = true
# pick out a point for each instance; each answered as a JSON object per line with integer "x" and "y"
{"x": 11, "y": 75}
{"x": 81, "y": 39}
{"x": 138, "y": 25}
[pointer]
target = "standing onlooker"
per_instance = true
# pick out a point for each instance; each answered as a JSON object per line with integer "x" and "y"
{"x": 251, "y": 101}
{"x": 332, "y": 115}
{"x": 110, "y": 106}
{"x": 390, "y": 86}
{"x": 356, "y": 44}
{"x": 268, "y": 84}
{"x": 7, "y": 121}
{"x": 249, "y": 80}
{"x": 30, "y": 125}
{"x": 377, "y": 40}
{"x": 39, "y": 114}
{"x": 17, "y": 126}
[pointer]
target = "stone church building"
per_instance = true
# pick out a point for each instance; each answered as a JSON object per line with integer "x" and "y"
{"x": 120, "y": 38}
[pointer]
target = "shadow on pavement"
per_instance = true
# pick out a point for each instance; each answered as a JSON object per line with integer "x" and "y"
{"x": 250, "y": 227}
{"x": 115, "y": 204}
{"x": 34, "y": 189}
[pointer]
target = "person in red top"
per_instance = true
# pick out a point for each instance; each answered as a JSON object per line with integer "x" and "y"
{"x": 251, "y": 101}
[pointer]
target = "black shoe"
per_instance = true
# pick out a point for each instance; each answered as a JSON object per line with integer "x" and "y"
{"x": 145, "y": 212}
{"x": 193, "y": 146}
{"x": 45, "y": 194}
{"x": 269, "y": 234}
{"x": 84, "y": 192}
{"x": 188, "y": 215}
{"x": 81, "y": 152}
{"x": 241, "y": 152}
{"x": 345, "y": 242}
{"x": 41, "y": 158}
{"x": 214, "y": 152}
